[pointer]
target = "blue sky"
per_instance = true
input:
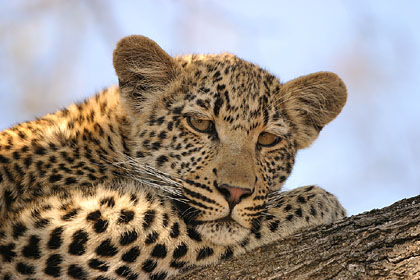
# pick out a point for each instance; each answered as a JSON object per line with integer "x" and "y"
{"x": 56, "y": 52}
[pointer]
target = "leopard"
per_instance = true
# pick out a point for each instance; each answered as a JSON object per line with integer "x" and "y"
{"x": 179, "y": 165}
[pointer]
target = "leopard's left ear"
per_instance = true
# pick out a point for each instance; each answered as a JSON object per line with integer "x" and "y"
{"x": 312, "y": 101}
{"x": 143, "y": 69}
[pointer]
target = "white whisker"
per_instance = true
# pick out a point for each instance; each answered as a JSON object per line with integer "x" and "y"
{"x": 147, "y": 175}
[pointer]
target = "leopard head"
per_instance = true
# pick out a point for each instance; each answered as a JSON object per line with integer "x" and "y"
{"x": 227, "y": 128}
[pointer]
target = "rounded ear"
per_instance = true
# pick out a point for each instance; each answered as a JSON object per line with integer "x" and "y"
{"x": 312, "y": 101}
{"x": 143, "y": 68}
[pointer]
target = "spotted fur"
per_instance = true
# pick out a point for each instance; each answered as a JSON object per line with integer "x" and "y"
{"x": 123, "y": 186}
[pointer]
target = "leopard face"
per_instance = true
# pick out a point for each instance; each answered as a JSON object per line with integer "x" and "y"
{"x": 226, "y": 128}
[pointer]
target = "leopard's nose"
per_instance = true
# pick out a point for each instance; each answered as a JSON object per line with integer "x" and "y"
{"x": 233, "y": 194}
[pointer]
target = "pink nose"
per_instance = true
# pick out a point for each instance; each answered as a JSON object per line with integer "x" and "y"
{"x": 234, "y": 194}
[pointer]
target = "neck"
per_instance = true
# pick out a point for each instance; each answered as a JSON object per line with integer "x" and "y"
{"x": 73, "y": 147}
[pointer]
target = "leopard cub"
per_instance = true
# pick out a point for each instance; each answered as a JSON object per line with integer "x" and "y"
{"x": 180, "y": 165}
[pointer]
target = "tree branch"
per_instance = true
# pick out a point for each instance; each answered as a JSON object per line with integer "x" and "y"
{"x": 380, "y": 244}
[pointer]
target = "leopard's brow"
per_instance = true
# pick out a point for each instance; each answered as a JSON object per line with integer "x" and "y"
{"x": 198, "y": 113}
{"x": 278, "y": 128}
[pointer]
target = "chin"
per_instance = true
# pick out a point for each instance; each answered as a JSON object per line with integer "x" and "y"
{"x": 223, "y": 232}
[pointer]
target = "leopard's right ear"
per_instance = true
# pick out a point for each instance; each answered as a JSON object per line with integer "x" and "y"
{"x": 143, "y": 68}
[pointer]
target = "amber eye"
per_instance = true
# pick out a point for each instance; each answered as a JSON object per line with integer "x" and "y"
{"x": 267, "y": 139}
{"x": 201, "y": 125}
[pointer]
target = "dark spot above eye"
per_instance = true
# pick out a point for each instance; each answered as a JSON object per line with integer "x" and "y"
{"x": 217, "y": 105}
{"x": 201, "y": 103}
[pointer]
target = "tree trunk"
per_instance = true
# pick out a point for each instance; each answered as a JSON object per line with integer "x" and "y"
{"x": 380, "y": 244}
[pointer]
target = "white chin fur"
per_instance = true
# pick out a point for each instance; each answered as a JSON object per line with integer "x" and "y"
{"x": 223, "y": 233}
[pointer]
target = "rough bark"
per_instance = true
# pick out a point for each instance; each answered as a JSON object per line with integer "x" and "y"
{"x": 380, "y": 244}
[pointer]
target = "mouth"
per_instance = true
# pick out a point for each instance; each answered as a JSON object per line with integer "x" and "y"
{"x": 190, "y": 216}
{"x": 225, "y": 220}
{"x": 224, "y": 231}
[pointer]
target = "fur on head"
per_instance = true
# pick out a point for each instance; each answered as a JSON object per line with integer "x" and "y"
{"x": 241, "y": 102}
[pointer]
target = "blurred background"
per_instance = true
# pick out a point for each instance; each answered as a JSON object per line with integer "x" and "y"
{"x": 53, "y": 53}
